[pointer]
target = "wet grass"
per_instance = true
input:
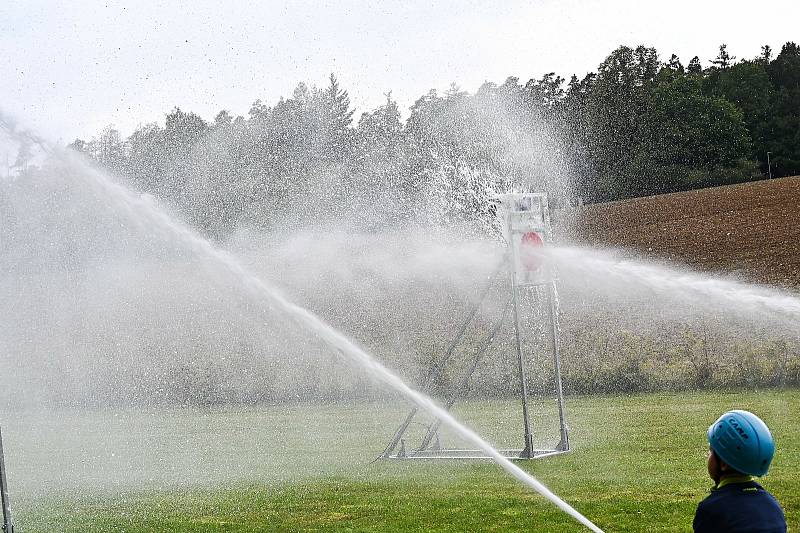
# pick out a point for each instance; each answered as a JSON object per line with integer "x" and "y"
{"x": 638, "y": 464}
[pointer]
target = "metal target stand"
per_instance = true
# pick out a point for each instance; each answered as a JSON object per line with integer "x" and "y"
{"x": 526, "y": 223}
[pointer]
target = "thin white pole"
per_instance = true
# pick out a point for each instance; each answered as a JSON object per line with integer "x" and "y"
{"x": 769, "y": 166}
{"x": 8, "y": 523}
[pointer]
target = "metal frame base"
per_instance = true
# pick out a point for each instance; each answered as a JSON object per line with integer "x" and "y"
{"x": 514, "y": 455}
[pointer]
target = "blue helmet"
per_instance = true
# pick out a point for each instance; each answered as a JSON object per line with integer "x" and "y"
{"x": 742, "y": 440}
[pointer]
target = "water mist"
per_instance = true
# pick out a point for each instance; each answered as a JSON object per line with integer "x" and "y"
{"x": 145, "y": 212}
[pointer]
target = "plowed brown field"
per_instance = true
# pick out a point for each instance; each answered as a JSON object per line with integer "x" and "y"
{"x": 751, "y": 230}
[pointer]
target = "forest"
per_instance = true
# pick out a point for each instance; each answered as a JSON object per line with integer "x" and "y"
{"x": 639, "y": 125}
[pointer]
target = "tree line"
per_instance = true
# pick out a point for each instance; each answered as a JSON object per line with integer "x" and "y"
{"x": 637, "y": 126}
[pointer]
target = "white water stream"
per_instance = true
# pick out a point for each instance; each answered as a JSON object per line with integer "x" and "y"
{"x": 623, "y": 275}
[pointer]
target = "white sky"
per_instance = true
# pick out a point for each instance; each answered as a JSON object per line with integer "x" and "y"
{"x": 68, "y": 69}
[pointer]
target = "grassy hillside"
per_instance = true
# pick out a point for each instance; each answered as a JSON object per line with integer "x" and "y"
{"x": 750, "y": 229}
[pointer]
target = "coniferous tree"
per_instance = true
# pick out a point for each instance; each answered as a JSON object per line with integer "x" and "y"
{"x": 784, "y": 72}
{"x": 766, "y": 55}
{"x": 674, "y": 64}
{"x": 694, "y": 66}
{"x": 723, "y": 59}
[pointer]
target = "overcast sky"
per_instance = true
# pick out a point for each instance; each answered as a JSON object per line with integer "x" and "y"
{"x": 68, "y": 69}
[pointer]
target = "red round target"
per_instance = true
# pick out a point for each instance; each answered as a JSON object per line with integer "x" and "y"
{"x": 530, "y": 250}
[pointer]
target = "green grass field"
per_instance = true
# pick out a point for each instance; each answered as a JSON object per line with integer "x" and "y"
{"x": 638, "y": 464}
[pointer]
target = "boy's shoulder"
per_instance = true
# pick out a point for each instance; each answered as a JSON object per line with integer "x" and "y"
{"x": 737, "y": 506}
{"x": 740, "y": 495}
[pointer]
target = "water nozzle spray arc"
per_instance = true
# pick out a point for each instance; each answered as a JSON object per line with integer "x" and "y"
{"x": 144, "y": 211}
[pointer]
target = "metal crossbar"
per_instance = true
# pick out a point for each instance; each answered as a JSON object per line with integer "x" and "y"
{"x": 437, "y": 366}
{"x": 464, "y": 387}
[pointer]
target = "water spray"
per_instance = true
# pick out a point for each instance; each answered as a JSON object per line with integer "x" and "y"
{"x": 589, "y": 264}
{"x": 143, "y": 210}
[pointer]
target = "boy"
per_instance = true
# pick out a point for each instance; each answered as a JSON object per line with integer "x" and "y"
{"x": 740, "y": 447}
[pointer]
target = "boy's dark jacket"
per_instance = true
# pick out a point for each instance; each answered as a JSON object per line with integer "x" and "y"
{"x": 739, "y": 505}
